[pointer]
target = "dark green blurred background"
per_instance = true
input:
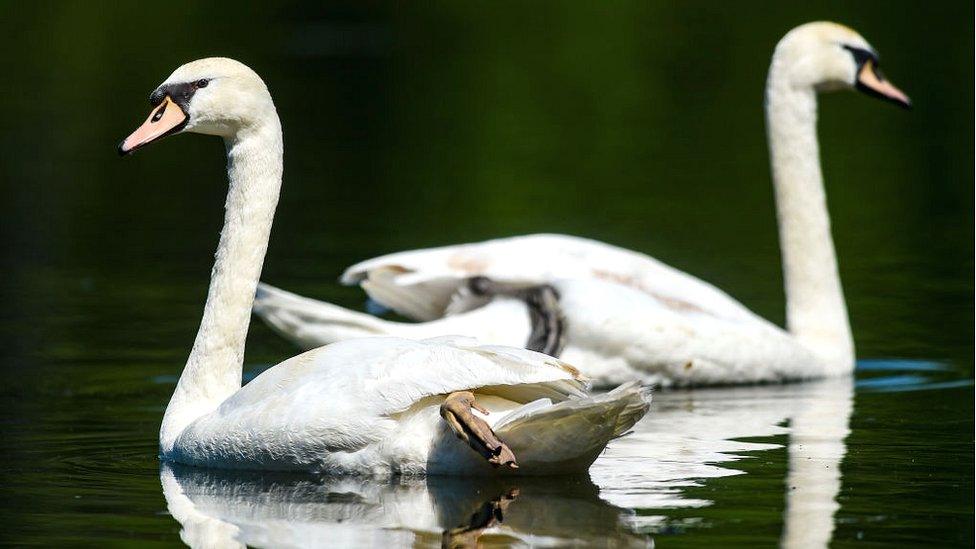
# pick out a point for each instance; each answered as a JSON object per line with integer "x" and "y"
{"x": 637, "y": 123}
{"x": 417, "y": 124}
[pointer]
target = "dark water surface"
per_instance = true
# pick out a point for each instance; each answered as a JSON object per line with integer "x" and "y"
{"x": 638, "y": 123}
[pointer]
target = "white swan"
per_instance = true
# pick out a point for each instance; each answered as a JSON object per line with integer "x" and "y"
{"x": 368, "y": 406}
{"x": 627, "y": 315}
{"x": 692, "y": 439}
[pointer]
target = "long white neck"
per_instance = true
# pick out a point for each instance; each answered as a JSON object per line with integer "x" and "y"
{"x": 213, "y": 369}
{"x": 815, "y": 309}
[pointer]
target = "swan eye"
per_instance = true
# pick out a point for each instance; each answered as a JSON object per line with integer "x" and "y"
{"x": 202, "y": 83}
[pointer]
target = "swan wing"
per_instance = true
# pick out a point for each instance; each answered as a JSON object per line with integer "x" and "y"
{"x": 386, "y": 375}
{"x": 420, "y": 284}
{"x": 336, "y": 400}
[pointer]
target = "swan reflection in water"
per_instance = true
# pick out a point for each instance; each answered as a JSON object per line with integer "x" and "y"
{"x": 685, "y": 440}
{"x": 690, "y": 436}
{"x": 234, "y": 509}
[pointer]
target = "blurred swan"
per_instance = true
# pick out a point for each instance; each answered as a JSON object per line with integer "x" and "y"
{"x": 373, "y": 406}
{"x": 694, "y": 438}
{"x": 621, "y": 314}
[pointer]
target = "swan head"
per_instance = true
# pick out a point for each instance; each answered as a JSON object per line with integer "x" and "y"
{"x": 213, "y": 96}
{"x": 828, "y": 56}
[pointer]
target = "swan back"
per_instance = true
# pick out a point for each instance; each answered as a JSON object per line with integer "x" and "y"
{"x": 347, "y": 407}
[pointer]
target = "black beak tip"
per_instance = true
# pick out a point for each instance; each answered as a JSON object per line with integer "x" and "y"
{"x": 121, "y": 149}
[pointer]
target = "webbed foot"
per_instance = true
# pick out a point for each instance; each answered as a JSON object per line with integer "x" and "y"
{"x": 456, "y": 410}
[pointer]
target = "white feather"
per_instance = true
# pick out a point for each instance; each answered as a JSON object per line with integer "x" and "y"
{"x": 370, "y": 406}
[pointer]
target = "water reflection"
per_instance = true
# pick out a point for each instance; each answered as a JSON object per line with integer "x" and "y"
{"x": 691, "y": 436}
{"x": 234, "y": 509}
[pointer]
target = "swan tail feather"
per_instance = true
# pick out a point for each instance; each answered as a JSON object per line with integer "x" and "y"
{"x": 310, "y": 323}
{"x": 568, "y": 436}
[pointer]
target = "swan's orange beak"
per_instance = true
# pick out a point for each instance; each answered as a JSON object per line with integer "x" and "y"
{"x": 166, "y": 119}
{"x": 872, "y": 82}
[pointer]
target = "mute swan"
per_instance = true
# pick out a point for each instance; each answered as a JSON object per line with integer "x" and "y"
{"x": 625, "y": 315}
{"x": 669, "y": 463}
{"x": 367, "y": 406}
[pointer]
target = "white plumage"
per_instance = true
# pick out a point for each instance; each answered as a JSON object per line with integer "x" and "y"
{"x": 692, "y": 438}
{"x": 627, "y": 315}
{"x": 368, "y": 406}
{"x": 614, "y": 334}
{"x": 371, "y": 406}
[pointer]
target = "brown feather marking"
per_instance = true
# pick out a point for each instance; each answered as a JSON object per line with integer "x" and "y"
{"x": 467, "y": 263}
{"x": 672, "y": 303}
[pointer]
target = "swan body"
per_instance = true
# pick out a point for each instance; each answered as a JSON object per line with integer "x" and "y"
{"x": 614, "y": 334}
{"x": 628, "y": 315}
{"x": 370, "y": 406}
{"x": 692, "y": 438}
